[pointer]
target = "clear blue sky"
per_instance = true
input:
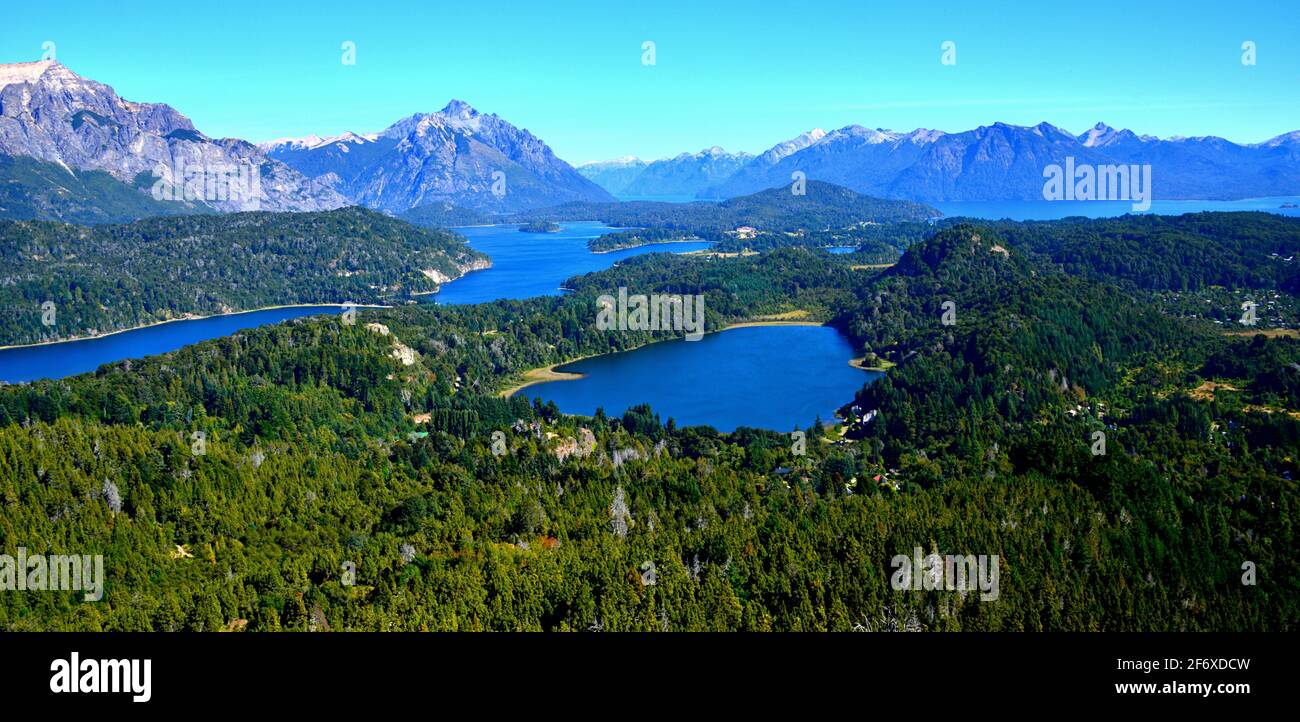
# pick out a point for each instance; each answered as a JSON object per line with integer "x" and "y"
{"x": 743, "y": 75}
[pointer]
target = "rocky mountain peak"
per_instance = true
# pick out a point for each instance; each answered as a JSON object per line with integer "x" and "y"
{"x": 459, "y": 109}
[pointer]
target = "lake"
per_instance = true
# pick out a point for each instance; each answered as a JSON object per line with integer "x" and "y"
{"x": 770, "y": 377}
{"x": 57, "y": 360}
{"x": 1053, "y": 210}
{"x": 525, "y": 265}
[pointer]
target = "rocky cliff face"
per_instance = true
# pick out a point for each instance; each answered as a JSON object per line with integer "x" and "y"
{"x": 50, "y": 113}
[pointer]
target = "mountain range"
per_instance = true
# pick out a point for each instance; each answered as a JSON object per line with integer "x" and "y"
{"x": 683, "y": 175}
{"x": 1001, "y": 162}
{"x": 57, "y": 126}
{"x": 615, "y": 174}
{"x": 72, "y": 149}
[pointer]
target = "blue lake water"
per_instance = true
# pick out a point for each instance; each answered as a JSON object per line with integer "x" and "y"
{"x": 1053, "y": 210}
{"x": 525, "y": 265}
{"x": 771, "y": 377}
{"x": 58, "y": 360}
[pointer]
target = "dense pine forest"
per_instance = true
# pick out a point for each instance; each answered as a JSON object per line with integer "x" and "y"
{"x": 315, "y": 476}
{"x": 111, "y": 277}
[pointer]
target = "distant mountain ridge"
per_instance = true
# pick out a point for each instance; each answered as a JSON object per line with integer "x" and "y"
{"x": 687, "y": 173}
{"x": 456, "y": 155}
{"x": 1006, "y": 162}
{"x": 994, "y": 162}
{"x": 613, "y": 175}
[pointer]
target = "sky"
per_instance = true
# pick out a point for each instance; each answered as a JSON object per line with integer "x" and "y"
{"x": 741, "y": 75}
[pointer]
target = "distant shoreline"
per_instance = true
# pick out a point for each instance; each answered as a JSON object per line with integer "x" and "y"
{"x": 651, "y": 243}
{"x": 773, "y": 322}
{"x": 186, "y": 317}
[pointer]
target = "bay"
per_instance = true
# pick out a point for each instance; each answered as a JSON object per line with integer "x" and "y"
{"x": 525, "y": 265}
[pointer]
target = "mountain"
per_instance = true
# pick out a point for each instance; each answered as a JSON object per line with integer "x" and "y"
{"x": 613, "y": 175}
{"x": 760, "y": 164}
{"x": 32, "y": 189}
{"x": 999, "y": 161}
{"x": 821, "y": 205}
{"x": 773, "y": 155}
{"x": 854, "y": 156}
{"x": 773, "y": 212}
{"x": 51, "y": 114}
{"x": 441, "y": 214}
{"x": 452, "y": 156}
{"x": 686, "y": 174}
{"x": 1006, "y": 162}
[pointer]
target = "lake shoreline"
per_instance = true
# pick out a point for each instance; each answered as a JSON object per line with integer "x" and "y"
{"x": 543, "y": 374}
{"x": 186, "y": 317}
{"x": 643, "y": 245}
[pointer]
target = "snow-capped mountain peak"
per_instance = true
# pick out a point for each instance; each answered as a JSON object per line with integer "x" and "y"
{"x": 624, "y": 161}
{"x": 1098, "y": 135}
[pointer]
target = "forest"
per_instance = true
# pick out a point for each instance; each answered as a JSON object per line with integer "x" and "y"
{"x": 820, "y": 206}
{"x": 32, "y": 189}
{"x": 338, "y": 488}
{"x": 111, "y": 277}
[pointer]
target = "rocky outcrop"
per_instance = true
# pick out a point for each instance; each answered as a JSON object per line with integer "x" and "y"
{"x": 582, "y": 446}
{"x": 401, "y": 351}
{"x": 477, "y": 264}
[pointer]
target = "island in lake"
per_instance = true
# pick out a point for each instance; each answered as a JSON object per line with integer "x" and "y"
{"x": 540, "y": 227}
